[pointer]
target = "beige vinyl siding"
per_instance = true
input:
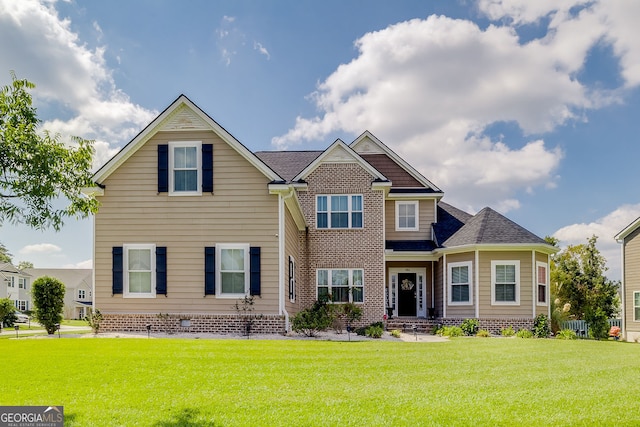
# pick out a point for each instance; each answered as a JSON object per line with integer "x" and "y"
{"x": 462, "y": 311}
{"x": 426, "y": 218}
{"x": 291, "y": 244}
{"x": 542, "y": 309}
{"x": 240, "y": 210}
{"x": 631, "y": 277}
{"x": 525, "y": 308}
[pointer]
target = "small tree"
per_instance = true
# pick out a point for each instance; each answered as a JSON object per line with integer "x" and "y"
{"x": 94, "y": 319}
{"x": 48, "y": 299}
{"x": 7, "y": 313}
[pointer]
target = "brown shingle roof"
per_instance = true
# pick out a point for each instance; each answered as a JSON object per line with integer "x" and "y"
{"x": 393, "y": 171}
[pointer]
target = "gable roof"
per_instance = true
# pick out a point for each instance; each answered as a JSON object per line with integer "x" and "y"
{"x": 287, "y": 164}
{"x": 181, "y": 115}
{"x": 7, "y": 267}
{"x": 490, "y": 227}
{"x": 339, "y": 152}
{"x": 628, "y": 230}
{"x": 70, "y": 277}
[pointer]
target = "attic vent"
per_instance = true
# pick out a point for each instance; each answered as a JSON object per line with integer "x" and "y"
{"x": 184, "y": 119}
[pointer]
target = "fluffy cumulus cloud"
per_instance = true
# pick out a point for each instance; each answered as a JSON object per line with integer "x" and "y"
{"x": 75, "y": 77}
{"x": 40, "y": 248}
{"x": 431, "y": 88}
{"x": 82, "y": 264}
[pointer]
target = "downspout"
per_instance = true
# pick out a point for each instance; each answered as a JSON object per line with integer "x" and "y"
{"x": 476, "y": 273}
{"x": 445, "y": 286}
{"x": 623, "y": 293}
{"x": 534, "y": 282}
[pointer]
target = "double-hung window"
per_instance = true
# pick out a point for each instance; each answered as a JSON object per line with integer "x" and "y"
{"x": 505, "y": 282}
{"x": 407, "y": 216}
{"x": 233, "y": 270}
{"x": 340, "y": 285}
{"x": 10, "y": 281}
{"x": 460, "y": 290}
{"x": 339, "y": 211}
{"x": 541, "y": 280}
{"x": 22, "y": 283}
{"x": 81, "y": 294}
{"x": 185, "y": 163}
{"x": 636, "y": 306}
{"x": 139, "y": 271}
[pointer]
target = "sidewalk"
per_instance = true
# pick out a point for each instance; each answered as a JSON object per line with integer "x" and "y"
{"x": 22, "y": 331}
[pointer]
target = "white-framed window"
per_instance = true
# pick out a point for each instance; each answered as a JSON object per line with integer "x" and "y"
{"x": 505, "y": 282}
{"x": 10, "y": 281}
{"x": 340, "y": 285}
{"x": 22, "y": 305}
{"x": 232, "y": 270}
{"x": 292, "y": 279}
{"x": 22, "y": 282}
{"x": 139, "y": 271}
{"x": 339, "y": 211}
{"x": 541, "y": 280}
{"x": 460, "y": 283}
{"x": 185, "y": 168}
{"x": 407, "y": 214}
{"x": 81, "y": 294}
{"x": 636, "y": 306}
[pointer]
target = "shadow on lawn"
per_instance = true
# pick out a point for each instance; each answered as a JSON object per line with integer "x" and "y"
{"x": 188, "y": 417}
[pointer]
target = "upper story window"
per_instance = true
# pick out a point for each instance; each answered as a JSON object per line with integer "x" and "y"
{"x": 541, "y": 274}
{"x": 407, "y": 216}
{"x": 81, "y": 294}
{"x": 460, "y": 283}
{"x": 339, "y": 211}
{"x": 139, "y": 271}
{"x": 10, "y": 281}
{"x": 22, "y": 283}
{"x": 505, "y": 282}
{"x": 185, "y": 162}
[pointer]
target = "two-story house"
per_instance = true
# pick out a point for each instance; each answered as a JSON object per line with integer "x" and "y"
{"x": 14, "y": 284}
{"x": 191, "y": 221}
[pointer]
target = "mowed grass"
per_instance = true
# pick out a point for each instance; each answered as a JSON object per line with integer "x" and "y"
{"x": 189, "y": 382}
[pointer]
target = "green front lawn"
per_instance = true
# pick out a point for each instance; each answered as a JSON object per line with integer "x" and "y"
{"x": 467, "y": 381}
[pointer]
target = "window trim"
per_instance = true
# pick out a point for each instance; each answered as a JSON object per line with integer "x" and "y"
{"x": 350, "y": 211}
{"x": 247, "y": 270}
{"x": 546, "y": 284}
{"x": 22, "y": 283}
{"x": 351, "y": 285}
{"x": 82, "y": 294}
{"x": 496, "y": 263}
{"x": 416, "y": 204}
{"x": 635, "y": 319}
{"x": 450, "y": 283}
{"x": 198, "y": 147}
{"x": 125, "y": 270}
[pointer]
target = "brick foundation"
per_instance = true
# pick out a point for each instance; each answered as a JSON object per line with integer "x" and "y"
{"x": 192, "y": 323}
{"x": 493, "y": 325}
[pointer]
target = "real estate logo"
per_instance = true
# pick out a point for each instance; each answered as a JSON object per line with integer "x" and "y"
{"x": 31, "y": 416}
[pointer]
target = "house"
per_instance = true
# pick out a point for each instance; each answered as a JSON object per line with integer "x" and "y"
{"x": 78, "y": 283}
{"x": 630, "y": 286}
{"x": 14, "y": 284}
{"x": 191, "y": 221}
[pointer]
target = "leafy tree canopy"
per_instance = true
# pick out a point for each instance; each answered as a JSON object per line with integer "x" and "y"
{"x": 24, "y": 265}
{"x": 5, "y": 256}
{"x": 37, "y": 169}
{"x": 48, "y": 299}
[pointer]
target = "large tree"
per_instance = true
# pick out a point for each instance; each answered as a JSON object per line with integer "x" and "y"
{"x": 578, "y": 276}
{"x": 37, "y": 168}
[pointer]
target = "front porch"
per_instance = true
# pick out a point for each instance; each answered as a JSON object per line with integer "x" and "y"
{"x": 408, "y": 323}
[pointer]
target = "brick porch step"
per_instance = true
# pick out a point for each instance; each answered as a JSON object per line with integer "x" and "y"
{"x": 406, "y": 324}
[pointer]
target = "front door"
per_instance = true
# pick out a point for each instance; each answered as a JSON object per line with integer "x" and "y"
{"x": 407, "y": 294}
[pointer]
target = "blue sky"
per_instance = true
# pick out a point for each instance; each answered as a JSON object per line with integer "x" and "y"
{"x": 531, "y": 108}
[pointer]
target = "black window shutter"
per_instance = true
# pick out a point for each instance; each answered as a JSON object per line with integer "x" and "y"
{"x": 210, "y": 270}
{"x": 116, "y": 270}
{"x": 161, "y": 270}
{"x": 163, "y": 168}
{"x": 291, "y": 279}
{"x": 207, "y": 168}
{"x": 254, "y": 278}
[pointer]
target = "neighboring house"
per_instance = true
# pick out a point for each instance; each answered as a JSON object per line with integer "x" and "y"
{"x": 78, "y": 283}
{"x": 14, "y": 284}
{"x": 630, "y": 290}
{"x": 191, "y": 221}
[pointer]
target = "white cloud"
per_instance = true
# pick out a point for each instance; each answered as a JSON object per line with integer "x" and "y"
{"x": 82, "y": 264}
{"x": 261, "y": 49}
{"x": 40, "y": 248}
{"x": 41, "y": 47}
{"x": 605, "y": 228}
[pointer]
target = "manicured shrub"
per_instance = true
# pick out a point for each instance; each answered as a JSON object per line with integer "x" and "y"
{"x": 507, "y": 332}
{"x": 451, "y": 331}
{"x": 566, "y": 334}
{"x": 48, "y": 299}
{"x": 469, "y": 326}
{"x": 395, "y": 333}
{"x": 374, "y": 331}
{"x": 524, "y": 333}
{"x": 312, "y": 320}
{"x": 541, "y": 327}
{"x": 483, "y": 333}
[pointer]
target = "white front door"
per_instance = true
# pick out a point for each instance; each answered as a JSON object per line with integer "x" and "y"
{"x": 406, "y": 292}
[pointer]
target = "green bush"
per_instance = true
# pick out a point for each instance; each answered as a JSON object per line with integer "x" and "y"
{"x": 396, "y": 333}
{"x": 451, "y": 331}
{"x": 470, "y": 326}
{"x": 541, "y": 326}
{"x": 566, "y": 334}
{"x": 48, "y": 299}
{"x": 483, "y": 333}
{"x": 7, "y": 313}
{"x": 507, "y": 332}
{"x": 312, "y": 320}
{"x": 363, "y": 330}
{"x": 374, "y": 331}
{"x": 598, "y": 323}
{"x": 94, "y": 319}
{"x": 524, "y": 333}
